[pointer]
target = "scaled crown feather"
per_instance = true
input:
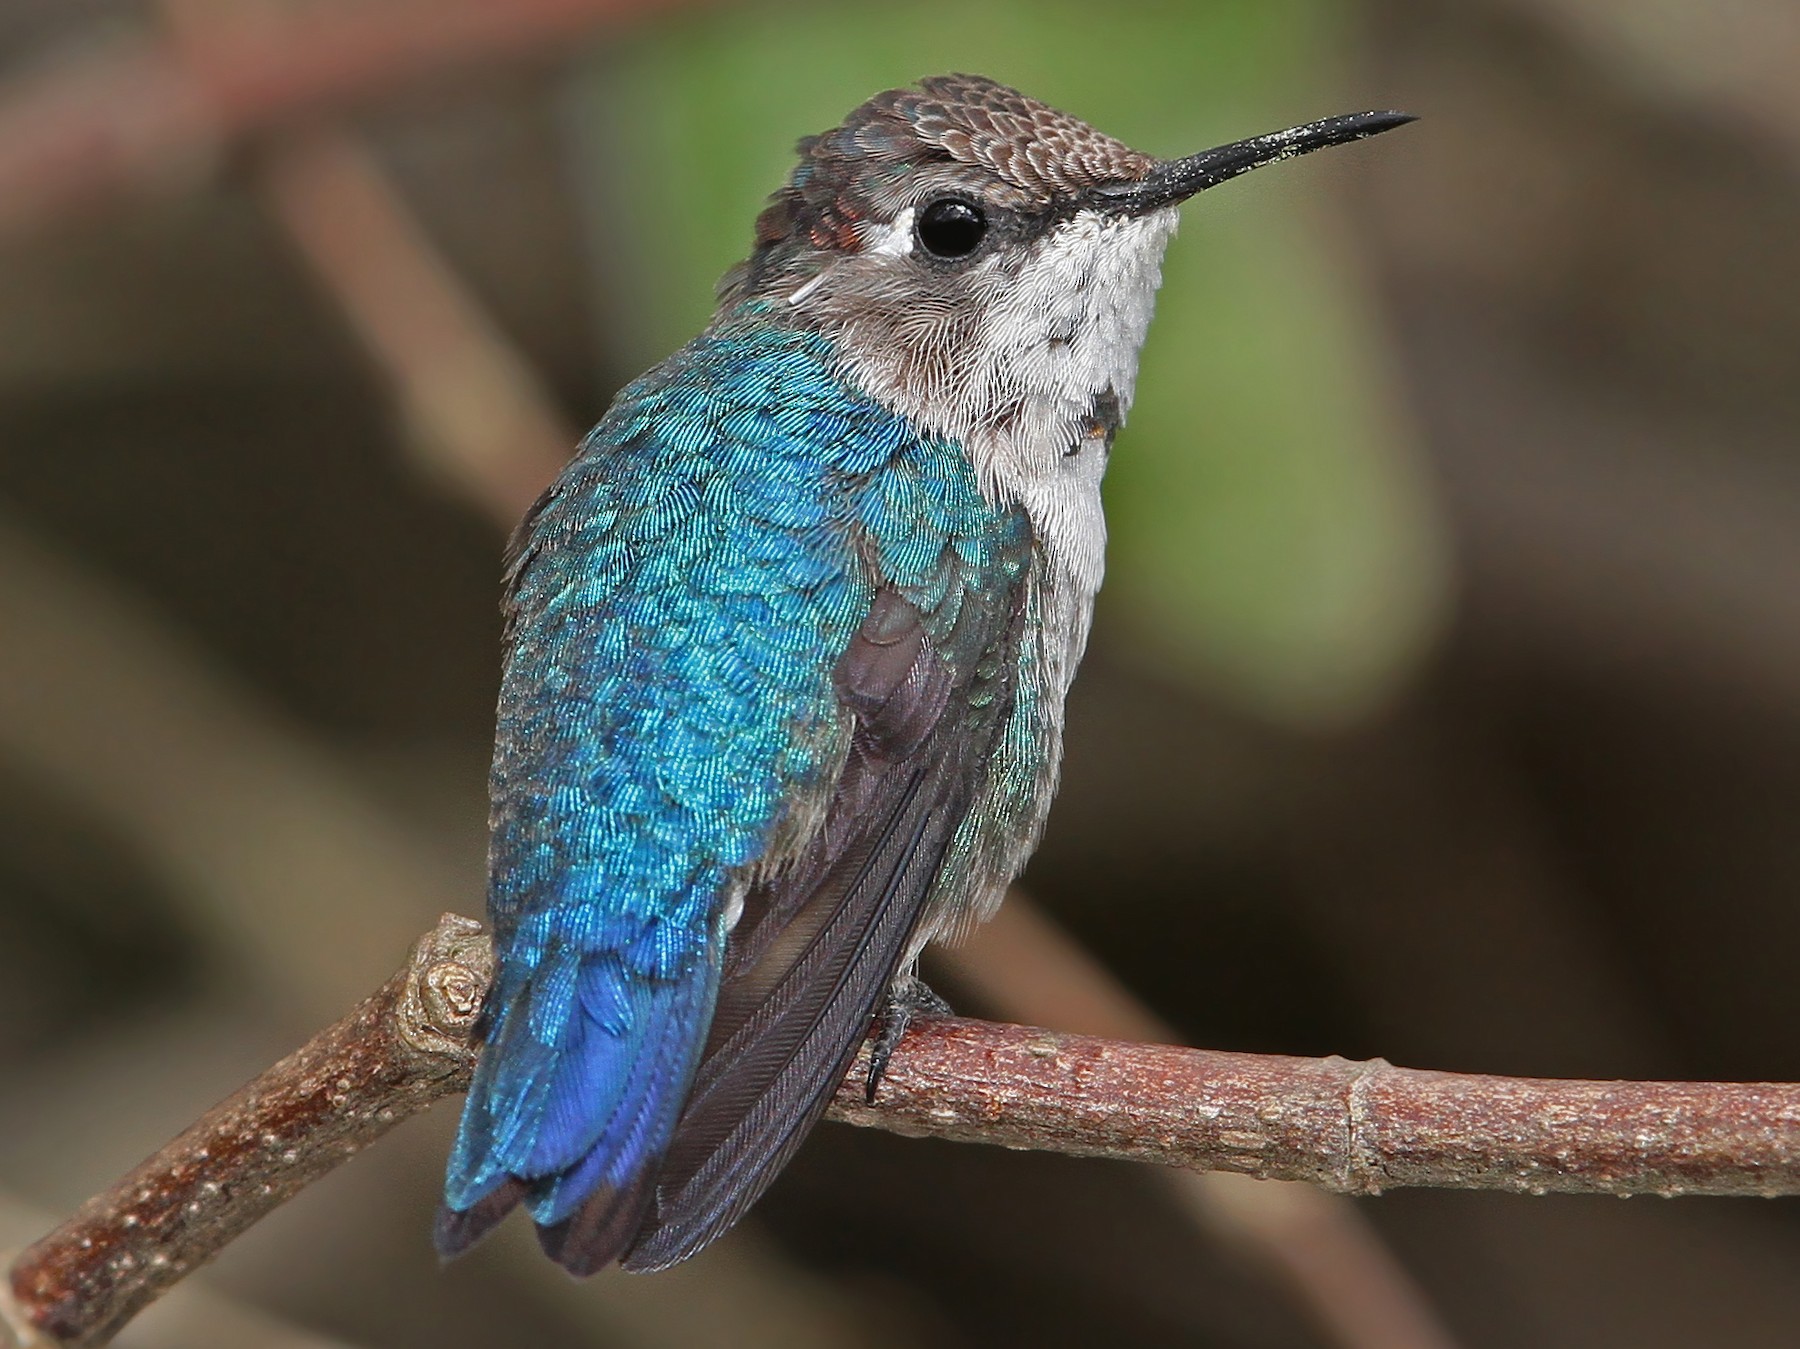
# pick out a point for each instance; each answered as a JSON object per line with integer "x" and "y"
{"x": 1030, "y": 152}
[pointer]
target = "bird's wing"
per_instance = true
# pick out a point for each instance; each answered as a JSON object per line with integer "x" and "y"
{"x": 821, "y": 942}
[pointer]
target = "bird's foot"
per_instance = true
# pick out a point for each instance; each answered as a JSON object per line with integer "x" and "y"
{"x": 908, "y": 998}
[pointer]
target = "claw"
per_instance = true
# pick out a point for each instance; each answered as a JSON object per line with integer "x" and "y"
{"x": 909, "y": 998}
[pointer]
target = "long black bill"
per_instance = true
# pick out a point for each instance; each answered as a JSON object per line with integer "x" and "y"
{"x": 1174, "y": 180}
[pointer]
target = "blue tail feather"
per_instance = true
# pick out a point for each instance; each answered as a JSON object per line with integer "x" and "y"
{"x": 653, "y": 1072}
{"x": 585, "y": 1071}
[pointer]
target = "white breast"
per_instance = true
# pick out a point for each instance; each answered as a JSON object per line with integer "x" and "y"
{"x": 1015, "y": 381}
{"x": 1060, "y": 332}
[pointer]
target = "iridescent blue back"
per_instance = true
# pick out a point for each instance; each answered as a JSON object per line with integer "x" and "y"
{"x": 668, "y": 724}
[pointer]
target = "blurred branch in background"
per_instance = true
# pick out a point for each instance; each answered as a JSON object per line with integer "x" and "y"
{"x": 277, "y": 851}
{"x": 474, "y": 406}
{"x": 477, "y": 411}
{"x": 150, "y": 115}
{"x": 1731, "y": 61}
{"x": 1356, "y": 1128}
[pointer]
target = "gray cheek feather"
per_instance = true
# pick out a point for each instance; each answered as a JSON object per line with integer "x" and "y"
{"x": 1008, "y": 357}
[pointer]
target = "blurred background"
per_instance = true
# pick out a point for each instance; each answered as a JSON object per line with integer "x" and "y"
{"x": 1444, "y": 702}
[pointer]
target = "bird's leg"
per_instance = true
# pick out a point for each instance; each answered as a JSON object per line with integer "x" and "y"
{"x": 909, "y": 996}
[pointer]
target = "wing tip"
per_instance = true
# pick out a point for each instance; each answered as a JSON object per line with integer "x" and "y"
{"x": 655, "y": 1248}
{"x": 601, "y": 1231}
{"x": 456, "y": 1230}
{"x": 597, "y": 1234}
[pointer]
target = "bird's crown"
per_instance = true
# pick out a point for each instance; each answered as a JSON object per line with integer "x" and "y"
{"x": 964, "y": 130}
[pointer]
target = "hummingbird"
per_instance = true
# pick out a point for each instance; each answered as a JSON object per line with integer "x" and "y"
{"x": 786, "y": 651}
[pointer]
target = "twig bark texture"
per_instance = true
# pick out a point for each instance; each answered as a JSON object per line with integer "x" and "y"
{"x": 1352, "y": 1127}
{"x": 409, "y": 1044}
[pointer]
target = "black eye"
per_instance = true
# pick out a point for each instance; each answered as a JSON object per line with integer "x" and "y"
{"x": 951, "y": 228}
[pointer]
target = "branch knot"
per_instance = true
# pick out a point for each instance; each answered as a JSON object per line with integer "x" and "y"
{"x": 445, "y": 985}
{"x": 1359, "y": 1165}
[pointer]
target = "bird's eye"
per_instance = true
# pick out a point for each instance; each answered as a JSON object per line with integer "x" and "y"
{"x": 951, "y": 228}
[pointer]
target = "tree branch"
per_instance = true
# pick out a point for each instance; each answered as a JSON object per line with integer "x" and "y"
{"x": 1356, "y": 1128}
{"x": 1351, "y": 1127}
{"x": 409, "y": 1044}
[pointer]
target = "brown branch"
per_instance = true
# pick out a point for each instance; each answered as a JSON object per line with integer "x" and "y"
{"x": 1356, "y": 1128}
{"x": 1351, "y": 1127}
{"x": 405, "y": 1047}
{"x": 129, "y": 120}
{"x": 189, "y": 1316}
{"x": 1321, "y": 1247}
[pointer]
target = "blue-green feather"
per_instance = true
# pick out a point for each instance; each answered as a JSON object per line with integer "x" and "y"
{"x": 679, "y": 600}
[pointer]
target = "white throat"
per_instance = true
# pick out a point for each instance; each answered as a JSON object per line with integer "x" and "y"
{"x": 1013, "y": 368}
{"x": 1015, "y": 376}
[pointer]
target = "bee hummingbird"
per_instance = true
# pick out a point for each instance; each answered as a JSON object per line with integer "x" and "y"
{"x": 787, "y": 645}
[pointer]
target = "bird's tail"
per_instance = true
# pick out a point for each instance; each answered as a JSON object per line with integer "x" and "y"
{"x": 573, "y": 1102}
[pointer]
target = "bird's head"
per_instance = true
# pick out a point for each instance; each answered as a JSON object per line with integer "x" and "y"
{"x": 986, "y": 264}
